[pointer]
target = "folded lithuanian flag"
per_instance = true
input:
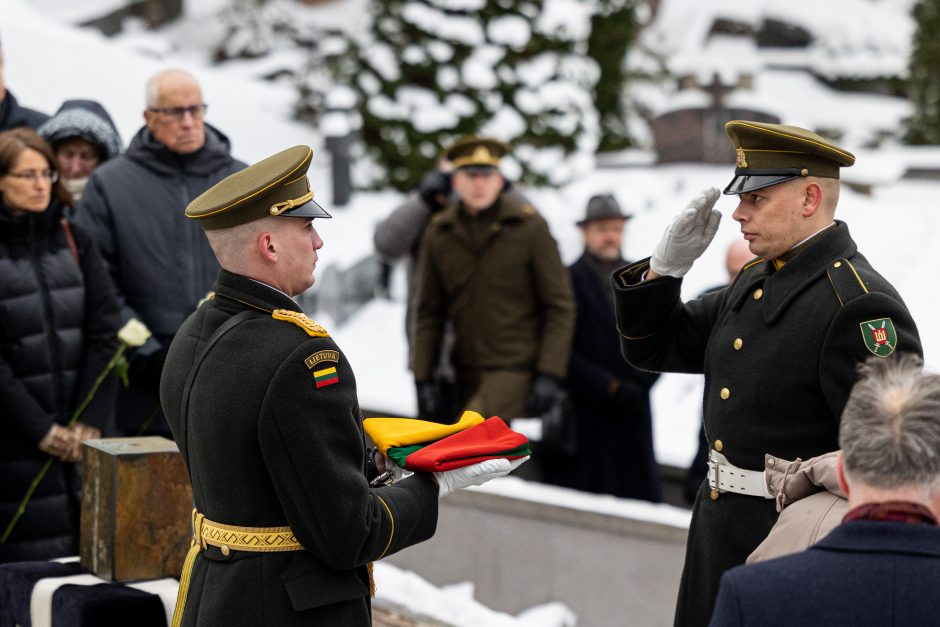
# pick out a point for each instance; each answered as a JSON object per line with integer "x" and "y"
{"x": 490, "y": 439}
{"x": 391, "y": 432}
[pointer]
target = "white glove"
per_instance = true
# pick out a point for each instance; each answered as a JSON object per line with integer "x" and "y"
{"x": 688, "y": 236}
{"x": 477, "y": 474}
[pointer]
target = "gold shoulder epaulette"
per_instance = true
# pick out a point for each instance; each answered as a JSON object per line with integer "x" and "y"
{"x": 312, "y": 328}
{"x": 209, "y": 296}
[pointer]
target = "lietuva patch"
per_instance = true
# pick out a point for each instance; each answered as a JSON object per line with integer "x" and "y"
{"x": 880, "y": 336}
{"x": 322, "y": 356}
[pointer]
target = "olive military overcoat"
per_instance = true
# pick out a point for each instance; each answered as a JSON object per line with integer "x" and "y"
{"x": 506, "y": 292}
{"x": 270, "y": 440}
{"x": 779, "y": 350}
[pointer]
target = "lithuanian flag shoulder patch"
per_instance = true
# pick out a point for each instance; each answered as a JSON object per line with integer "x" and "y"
{"x": 325, "y": 377}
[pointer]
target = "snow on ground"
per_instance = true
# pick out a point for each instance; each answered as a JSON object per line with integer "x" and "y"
{"x": 455, "y": 603}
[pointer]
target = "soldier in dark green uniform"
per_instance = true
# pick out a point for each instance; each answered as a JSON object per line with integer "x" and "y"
{"x": 779, "y": 347}
{"x": 490, "y": 266}
{"x": 263, "y": 406}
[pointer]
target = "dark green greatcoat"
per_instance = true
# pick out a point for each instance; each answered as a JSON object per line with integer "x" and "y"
{"x": 500, "y": 280}
{"x": 784, "y": 345}
{"x": 266, "y": 448}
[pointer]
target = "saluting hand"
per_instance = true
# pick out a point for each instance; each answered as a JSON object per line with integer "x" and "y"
{"x": 688, "y": 236}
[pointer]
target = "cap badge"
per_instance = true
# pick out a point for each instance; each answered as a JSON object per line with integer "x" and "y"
{"x": 482, "y": 155}
{"x": 742, "y": 160}
{"x": 880, "y": 336}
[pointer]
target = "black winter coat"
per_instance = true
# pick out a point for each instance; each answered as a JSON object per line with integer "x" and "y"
{"x": 12, "y": 115}
{"x": 779, "y": 350}
{"x": 134, "y": 207}
{"x": 58, "y": 326}
{"x": 615, "y": 435}
{"x": 268, "y": 445}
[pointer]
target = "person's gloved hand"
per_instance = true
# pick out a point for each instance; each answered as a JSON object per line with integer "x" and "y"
{"x": 435, "y": 189}
{"x": 429, "y": 400}
{"x": 477, "y": 474}
{"x": 545, "y": 391}
{"x": 688, "y": 236}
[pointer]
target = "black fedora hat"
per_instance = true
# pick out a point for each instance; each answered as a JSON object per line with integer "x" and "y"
{"x": 603, "y": 207}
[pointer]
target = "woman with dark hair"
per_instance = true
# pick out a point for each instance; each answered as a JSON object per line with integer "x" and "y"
{"x": 58, "y": 325}
{"x": 83, "y": 137}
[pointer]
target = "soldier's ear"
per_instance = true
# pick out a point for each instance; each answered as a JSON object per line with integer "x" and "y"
{"x": 266, "y": 246}
{"x": 811, "y": 200}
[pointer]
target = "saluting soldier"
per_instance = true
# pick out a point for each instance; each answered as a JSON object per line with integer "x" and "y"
{"x": 262, "y": 404}
{"x": 779, "y": 347}
{"x": 490, "y": 266}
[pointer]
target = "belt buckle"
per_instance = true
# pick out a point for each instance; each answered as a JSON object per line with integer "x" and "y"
{"x": 714, "y": 473}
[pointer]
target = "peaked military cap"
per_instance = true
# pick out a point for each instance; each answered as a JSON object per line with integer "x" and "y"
{"x": 773, "y": 153}
{"x": 603, "y": 207}
{"x": 276, "y": 186}
{"x": 477, "y": 152}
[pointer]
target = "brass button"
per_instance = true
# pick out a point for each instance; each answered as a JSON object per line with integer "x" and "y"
{"x": 738, "y": 343}
{"x": 719, "y": 445}
{"x": 758, "y": 293}
{"x": 224, "y": 549}
{"x": 837, "y": 264}
{"x": 725, "y": 393}
{"x": 714, "y": 495}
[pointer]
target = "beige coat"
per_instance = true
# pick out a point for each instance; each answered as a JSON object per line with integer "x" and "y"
{"x": 810, "y": 501}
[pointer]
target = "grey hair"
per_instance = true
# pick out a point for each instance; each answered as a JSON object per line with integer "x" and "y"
{"x": 152, "y": 90}
{"x": 890, "y": 431}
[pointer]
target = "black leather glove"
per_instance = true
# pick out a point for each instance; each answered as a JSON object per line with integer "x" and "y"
{"x": 545, "y": 392}
{"x": 435, "y": 189}
{"x": 429, "y": 400}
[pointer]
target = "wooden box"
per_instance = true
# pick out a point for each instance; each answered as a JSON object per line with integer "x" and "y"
{"x": 136, "y": 508}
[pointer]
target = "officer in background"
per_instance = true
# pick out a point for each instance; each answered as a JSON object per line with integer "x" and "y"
{"x": 262, "y": 404}
{"x": 611, "y": 398}
{"x": 491, "y": 267}
{"x": 779, "y": 347}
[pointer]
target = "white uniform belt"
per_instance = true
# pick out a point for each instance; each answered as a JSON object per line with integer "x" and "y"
{"x": 726, "y": 477}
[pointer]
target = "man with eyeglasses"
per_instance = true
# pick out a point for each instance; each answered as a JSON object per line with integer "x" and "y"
{"x": 133, "y": 206}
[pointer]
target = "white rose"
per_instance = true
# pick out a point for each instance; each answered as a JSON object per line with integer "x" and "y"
{"x": 134, "y": 333}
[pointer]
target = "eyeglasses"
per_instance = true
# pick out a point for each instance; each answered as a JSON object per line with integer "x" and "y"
{"x": 178, "y": 113}
{"x": 34, "y": 175}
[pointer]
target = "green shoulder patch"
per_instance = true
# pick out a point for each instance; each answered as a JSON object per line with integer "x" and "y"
{"x": 880, "y": 336}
